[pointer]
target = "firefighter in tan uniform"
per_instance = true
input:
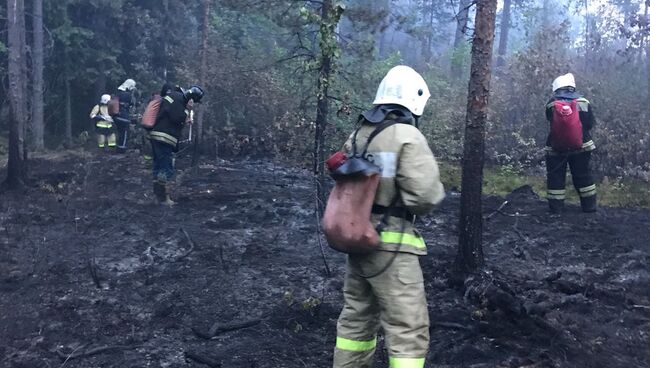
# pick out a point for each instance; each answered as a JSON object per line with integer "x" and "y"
{"x": 103, "y": 123}
{"x": 385, "y": 288}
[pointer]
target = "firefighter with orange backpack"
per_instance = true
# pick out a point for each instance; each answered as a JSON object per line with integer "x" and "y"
{"x": 384, "y": 287}
{"x": 173, "y": 113}
{"x": 571, "y": 118}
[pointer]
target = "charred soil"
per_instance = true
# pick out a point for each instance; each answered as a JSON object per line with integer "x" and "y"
{"x": 93, "y": 273}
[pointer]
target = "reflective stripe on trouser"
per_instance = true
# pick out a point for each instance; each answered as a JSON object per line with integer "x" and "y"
{"x": 104, "y": 140}
{"x": 587, "y": 191}
{"x": 556, "y": 194}
{"x": 406, "y": 362}
{"x": 394, "y": 300}
{"x": 580, "y": 172}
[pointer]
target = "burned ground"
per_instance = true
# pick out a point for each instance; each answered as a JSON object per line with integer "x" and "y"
{"x": 94, "y": 274}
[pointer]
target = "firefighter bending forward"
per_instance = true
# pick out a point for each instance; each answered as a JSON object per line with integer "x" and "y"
{"x": 410, "y": 182}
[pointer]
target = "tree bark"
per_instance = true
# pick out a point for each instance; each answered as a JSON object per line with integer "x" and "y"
{"x": 647, "y": 53}
{"x": 38, "y": 122}
{"x": 470, "y": 250}
{"x": 16, "y": 165}
{"x": 68, "y": 102}
{"x": 503, "y": 35}
{"x": 322, "y": 107}
{"x": 203, "y": 71}
{"x": 461, "y": 26}
{"x": 428, "y": 43}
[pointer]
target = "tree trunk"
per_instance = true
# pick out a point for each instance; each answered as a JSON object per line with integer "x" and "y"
{"x": 16, "y": 165}
{"x": 470, "y": 250}
{"x": 647, "y": 52}
{"x": 322, "y": 107}
{"x": 461, "y": 27}
{"x": 202, "y": 77}
{"x": 546, "y": 8}
{"x": 587, "y": 36}
{"x": 68, "y": 112}
{"x": 164, "y": 40}
{"x": 381, "y": 6}
{"x": 38, "y": 122}
{"x": 503, "y": 35}
{"x": 428, "y": 46}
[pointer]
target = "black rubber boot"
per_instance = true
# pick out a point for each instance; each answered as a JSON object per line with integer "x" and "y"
{"x": 589, "y": 204}
{"x": 159, "y": 191}
{"x": 556, "y": 205}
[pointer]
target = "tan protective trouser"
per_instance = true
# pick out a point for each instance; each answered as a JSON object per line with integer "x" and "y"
{"x": 395, "y": 300}
{"x": 104, "y": 140}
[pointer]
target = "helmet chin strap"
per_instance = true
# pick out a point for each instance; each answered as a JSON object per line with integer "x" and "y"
{"x": 417, "y": 121}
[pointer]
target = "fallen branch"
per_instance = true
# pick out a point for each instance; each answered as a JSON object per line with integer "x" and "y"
{"x": 451, "y": 325}
{"x": 92, "y": 267}
{"x": 217, "y": 329}
{"x": 192, "y": 245}
{"x": 520, "y": 252}
{"x": 90, "y": 352}
{"x": 69, "y": 355}
{"x": 200, "y": 358}
{"x": 498, "y": 210}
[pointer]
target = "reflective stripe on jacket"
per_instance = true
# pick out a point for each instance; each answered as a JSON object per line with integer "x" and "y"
{"x": 170, "y": 119}
{"x": 408, "y": 165}
{"x": 100, "y": 115}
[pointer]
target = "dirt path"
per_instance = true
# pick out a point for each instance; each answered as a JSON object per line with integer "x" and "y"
{"x": 240, "y": 247}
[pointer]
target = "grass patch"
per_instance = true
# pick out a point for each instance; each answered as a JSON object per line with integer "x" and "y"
{"x": 618, "y": 192}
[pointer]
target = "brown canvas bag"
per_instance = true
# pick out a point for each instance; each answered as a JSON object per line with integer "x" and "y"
{"x": 347, "y": 219}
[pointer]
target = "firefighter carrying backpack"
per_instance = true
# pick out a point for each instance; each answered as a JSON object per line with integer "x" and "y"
{"x": 150, "y": 113}
{"x": 347, "y": 219}
{"x": 566, "y": 128}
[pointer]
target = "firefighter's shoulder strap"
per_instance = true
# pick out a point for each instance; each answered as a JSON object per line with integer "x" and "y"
{"x": 383, "y": 125}
{"x": 380, "y": 127}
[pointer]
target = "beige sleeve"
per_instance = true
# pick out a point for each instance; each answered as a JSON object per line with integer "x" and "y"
{"x": 94, "y": 111}
{"x": 418, "y": 176}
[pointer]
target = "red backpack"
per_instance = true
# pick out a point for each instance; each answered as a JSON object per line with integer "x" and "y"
{"x": 566, "y": 128}
{"x": 150, "y": 113}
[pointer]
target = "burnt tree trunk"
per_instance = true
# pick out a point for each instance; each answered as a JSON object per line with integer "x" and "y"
{"x": 38, "y": 122}
{"x": 470, "y": 250}
{"x": 68, "y": 113}
{"x": 647, "y": 51}
{"x": 503, "y": 35}
{"x": 428, "y": 42}
{"x": 198, "y": 132}
{"x": 461, "y": 27}
{"x": 322, "y": 107}
{"x": 16, "y": 165}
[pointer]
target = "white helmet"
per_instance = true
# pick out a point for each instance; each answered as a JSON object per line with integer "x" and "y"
{"x": 128, "y": 85}
{"x": 403, "y": 86}
{"x": 566, "y": 80}
{"x": 104, "y": 99}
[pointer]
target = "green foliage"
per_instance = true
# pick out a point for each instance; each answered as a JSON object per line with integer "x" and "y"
{"x": 264, "y": 61}
{"x": 502, "y": 180}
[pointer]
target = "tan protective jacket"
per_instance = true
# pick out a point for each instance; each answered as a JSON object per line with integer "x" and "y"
{"x": 408, "y": 169}
{"x": 105, "y": 120}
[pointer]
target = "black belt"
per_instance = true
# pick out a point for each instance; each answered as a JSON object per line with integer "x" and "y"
{"x": 393, "y": 211}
